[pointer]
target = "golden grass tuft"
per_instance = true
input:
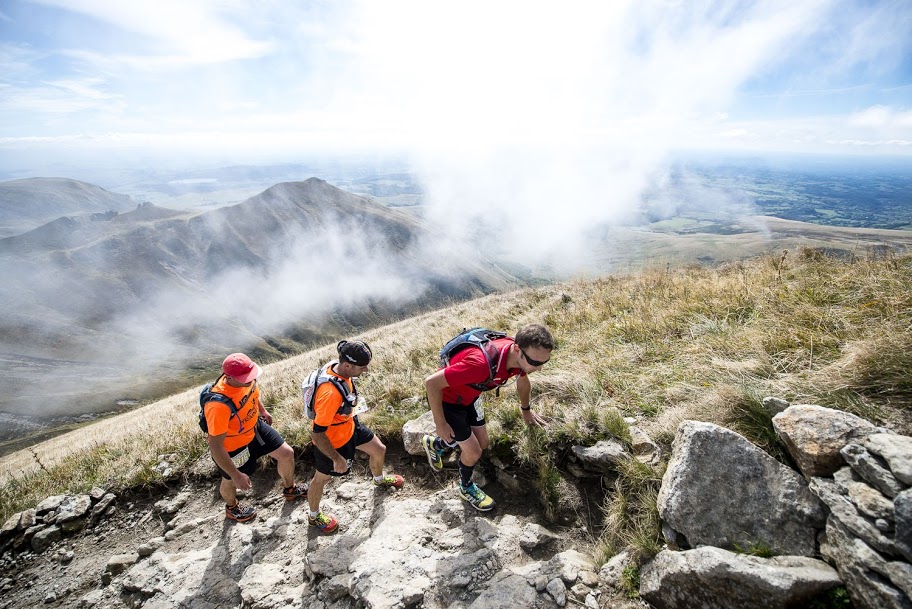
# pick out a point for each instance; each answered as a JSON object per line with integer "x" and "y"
{"x": 663, "y": 345}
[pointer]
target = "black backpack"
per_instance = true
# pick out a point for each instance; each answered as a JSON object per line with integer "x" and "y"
{"x": 207, "y": 395}
{"x": 481, "y": 338}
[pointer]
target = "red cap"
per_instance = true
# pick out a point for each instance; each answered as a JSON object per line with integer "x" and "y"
{"x": 240, "y": 367}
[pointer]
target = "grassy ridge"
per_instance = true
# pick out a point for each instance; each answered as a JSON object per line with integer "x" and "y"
{"x": 660, "y": 345}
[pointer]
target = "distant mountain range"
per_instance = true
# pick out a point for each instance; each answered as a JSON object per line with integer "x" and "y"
{"x": 26, "y": 204}
{"x": 115, "y": 304}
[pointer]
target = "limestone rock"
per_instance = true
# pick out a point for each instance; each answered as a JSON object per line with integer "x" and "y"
{"x": 506, "y": 590}
{"x": 43, "y": 539}
{"x": 713, "y": 578}
{"x": 644, "y": 449}
{"x": 774, "y": 405}
{"x": 903, "y": 514}
{"x": 414, "y": 430}
{"x": 856, "y": 562}
{"x": 845, "y": 511}
{"x": 602, "y": 457}
{"x": 558, "y": 591}
{"x": 117, "y": 565}
{"x": 721, "y": 490}
{"x": 49, "y": 504}
{"x": 896, "y": 450}
{"x": 271, "y": 586}
{"x": 611, "y": 571}
{"x": 534, "y": 537}
{"x": 73, "y": 507}
{"x": 814, "y": 436}
{"x": 865, "y": 465}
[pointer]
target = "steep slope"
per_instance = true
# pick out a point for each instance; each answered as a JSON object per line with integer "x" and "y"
{"x": 136, "y": 296}
{"x": 26, "y": 204}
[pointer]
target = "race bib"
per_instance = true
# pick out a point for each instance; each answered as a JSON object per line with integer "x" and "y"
{"x": 241, "y": 458}
{"x": 479, "y": 408}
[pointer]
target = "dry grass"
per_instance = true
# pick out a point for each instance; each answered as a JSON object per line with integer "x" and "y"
{"x": 663, "y": 345}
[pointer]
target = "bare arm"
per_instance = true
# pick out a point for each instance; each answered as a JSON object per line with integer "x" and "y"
{"x": 524, "y": 389}
{"x": 434, "y": 386}
{"x": 340, "y": 465}
{"x": 223, "y": 460}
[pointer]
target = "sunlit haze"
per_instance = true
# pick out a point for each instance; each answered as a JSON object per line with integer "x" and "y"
{"x": 540, "y": 123}
{"x": 503, "y": 109}
{"x": 251, "y": 81}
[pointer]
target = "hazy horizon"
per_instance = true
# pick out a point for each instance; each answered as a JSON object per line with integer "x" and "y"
{"x": 539, "y": 125}
{"x": 500, "y": 109}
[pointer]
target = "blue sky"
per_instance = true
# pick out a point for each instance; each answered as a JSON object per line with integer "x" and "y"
{"x": 234, "y": 81}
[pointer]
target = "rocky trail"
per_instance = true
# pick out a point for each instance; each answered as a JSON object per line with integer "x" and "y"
{"x": 420, "y": 546}
{"x": 739, "y": 529}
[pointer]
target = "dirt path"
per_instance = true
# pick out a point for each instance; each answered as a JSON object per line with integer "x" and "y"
{"x": 72, "y": 568}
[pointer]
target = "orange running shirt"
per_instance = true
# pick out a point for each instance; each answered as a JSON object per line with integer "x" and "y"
{"x": 339, "y": 427}
{"x": 219, "y": 419}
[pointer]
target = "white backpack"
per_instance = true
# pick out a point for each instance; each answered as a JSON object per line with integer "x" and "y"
{"x": 317, "y": 378}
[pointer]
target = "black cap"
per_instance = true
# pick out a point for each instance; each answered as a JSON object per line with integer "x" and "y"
{"x": 355, "y": 352}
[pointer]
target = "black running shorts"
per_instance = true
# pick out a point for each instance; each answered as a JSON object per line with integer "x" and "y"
{"x": 265, "y": 440}
{"x": 463, "y": 418}
{"x": 361, "y": 435}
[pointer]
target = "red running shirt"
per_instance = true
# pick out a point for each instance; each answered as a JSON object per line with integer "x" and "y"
{"x": 471, "y": 366}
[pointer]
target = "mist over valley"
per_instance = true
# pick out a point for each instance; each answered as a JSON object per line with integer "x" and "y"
{"x": 120, "y": 300}
{"x": 102, "y": 310}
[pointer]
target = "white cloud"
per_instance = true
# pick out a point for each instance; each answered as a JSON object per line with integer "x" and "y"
{"x": 882, "y": 117}
{"x": 735, "y": 133}
{"x": 185, "y": 33}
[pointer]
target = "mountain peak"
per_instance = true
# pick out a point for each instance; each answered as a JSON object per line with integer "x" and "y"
{"x": 28, "y": 203}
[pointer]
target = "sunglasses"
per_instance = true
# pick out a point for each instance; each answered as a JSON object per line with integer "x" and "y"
{"x": 533, "y": 362}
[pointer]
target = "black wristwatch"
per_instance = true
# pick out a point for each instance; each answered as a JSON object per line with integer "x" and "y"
{"x": 528, "y": 408}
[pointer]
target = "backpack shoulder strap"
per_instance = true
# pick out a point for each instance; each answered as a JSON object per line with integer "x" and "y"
{"x": 493, "y": 355}
{"x": 339, "y": 384}
{"x": 221, "y": 398}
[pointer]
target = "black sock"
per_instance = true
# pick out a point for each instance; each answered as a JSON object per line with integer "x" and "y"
{"x": 465, "y": 472}
{"x": 442, "y": 446}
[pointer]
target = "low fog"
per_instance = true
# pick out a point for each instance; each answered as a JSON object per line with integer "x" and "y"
{"x": 529, "y": 129}
{"x": 100, "y": 311}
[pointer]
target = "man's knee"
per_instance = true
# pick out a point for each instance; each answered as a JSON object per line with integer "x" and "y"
{"x": 373, "y": 447}
{"x": 283, "y": 453}
{"x": 319, "y": 479}
{"x": 471, "y": 451}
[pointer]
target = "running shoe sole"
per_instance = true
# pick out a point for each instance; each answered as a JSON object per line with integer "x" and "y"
{"x": 243, "y": 518}
{"x": 433, "y": 456}
{"x": 396, "y": 482}
{"x": 295, "y": 494}
{"x": 328, "y": 528}
{"x": 475, "y": 504}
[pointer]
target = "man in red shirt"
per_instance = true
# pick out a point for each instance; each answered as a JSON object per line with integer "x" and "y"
{"x": 455, "y": 404}
{"x": 336, "y": 431}
{"x": 237, "y": 441}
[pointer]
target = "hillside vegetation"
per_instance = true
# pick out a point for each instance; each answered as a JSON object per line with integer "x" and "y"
{"x": 660, "y": 345}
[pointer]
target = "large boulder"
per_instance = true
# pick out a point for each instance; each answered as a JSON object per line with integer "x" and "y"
{"x": 814, "y": 436}
{"x": 414, "y": 430}
{"x": 721, "y": 490}
{"x": 713, "y": 578}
